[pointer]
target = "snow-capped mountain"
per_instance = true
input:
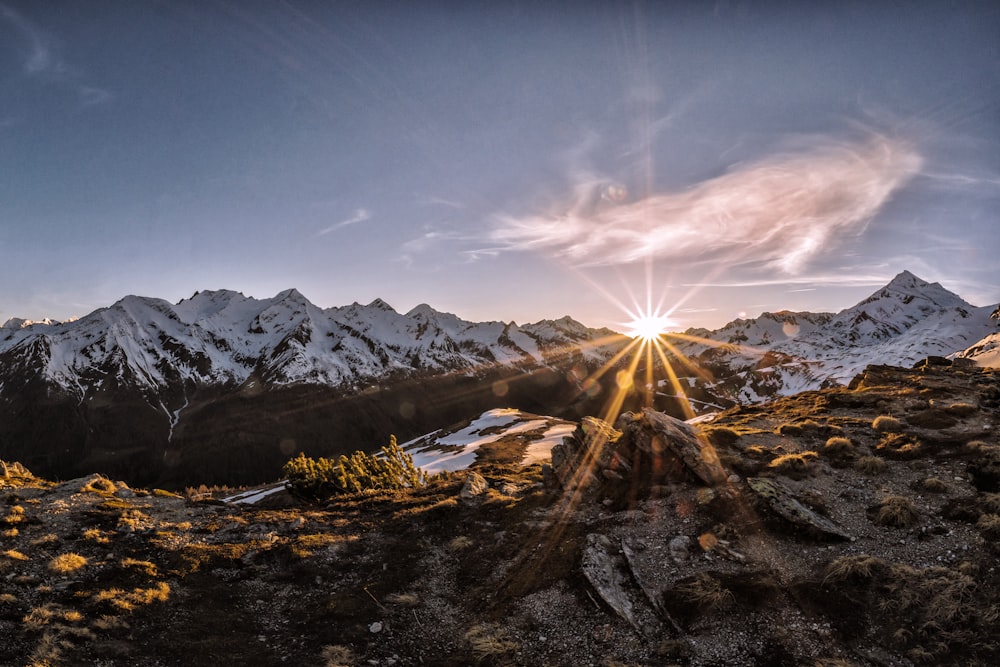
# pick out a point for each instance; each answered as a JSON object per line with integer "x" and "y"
{"x": 235, "y": 384}
{"x": 223, "y": 337}
{"x": 784, "y": 353}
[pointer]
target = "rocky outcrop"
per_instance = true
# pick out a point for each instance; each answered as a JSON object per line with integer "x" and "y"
{"x": 645, "y": 448}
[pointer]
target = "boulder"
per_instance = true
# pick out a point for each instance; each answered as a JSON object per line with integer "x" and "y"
{"x": 784, "y": 505}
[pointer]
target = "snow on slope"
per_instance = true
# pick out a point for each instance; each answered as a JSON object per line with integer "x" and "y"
{"x": 457, "y": 448}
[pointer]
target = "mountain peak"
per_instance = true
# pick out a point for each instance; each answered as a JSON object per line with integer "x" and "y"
{"x": 906, "y": 280}
{"x": 379, "y": 304}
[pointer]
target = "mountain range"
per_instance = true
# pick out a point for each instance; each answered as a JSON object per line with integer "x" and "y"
{"x": 223, "y": 387}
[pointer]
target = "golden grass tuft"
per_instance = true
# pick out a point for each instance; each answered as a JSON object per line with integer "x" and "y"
{"x": 13, "y": 554}
{"x": 99, "y": 485}
{"x": 887, "y": 424}
{"x": 67, "y": 563}
{"x": 129, "y": 600}
{"x": 794, "y": 465}
{"x": 839, "y": 450}
{"x": 144, "y": 566}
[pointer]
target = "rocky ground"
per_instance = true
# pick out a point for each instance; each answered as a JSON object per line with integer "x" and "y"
{"x": 850, "y": 526}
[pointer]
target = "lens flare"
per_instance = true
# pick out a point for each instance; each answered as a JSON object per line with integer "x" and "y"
{"x": 649, "y": 327}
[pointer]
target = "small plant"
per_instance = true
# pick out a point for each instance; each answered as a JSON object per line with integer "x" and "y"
{"x": 14, "y": 555}
{"x": 887, "y": 424}
{"x": 66, "y": 563}
{"x": 721, "y": 436}
{"x": 896, "y": 511}
{"x": 871, "y": 465}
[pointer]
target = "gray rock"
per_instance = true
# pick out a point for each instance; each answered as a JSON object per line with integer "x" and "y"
{"x": 785, "y": 505}
{"x": 475, "y": 486}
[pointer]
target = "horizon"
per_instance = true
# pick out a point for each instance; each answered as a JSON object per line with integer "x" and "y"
{"x": 498, "y": 161}
{"x": 405, "y": 311}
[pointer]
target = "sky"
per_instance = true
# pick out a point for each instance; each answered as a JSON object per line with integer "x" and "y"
{"x": 498, "y": 160}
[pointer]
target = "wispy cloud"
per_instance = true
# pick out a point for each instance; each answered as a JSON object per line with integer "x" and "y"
{"x": 360, "y": 215}
{"x": 41, "y": 59}
{"x": 780, "y": 212}
{"x": 439, "y": 201}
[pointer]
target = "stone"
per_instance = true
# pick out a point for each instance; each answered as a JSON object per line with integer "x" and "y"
{"x": 785, "y": 505}
{"x": 475, "y": 485}
{"x": 602, "y": 569}
{"x": 679, "y": 548}
{"x": 656, "y": 434}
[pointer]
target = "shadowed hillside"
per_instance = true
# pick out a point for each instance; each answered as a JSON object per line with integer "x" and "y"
{"x": 848, "y": 526}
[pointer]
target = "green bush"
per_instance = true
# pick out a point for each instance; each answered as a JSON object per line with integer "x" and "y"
{"x": 322, "y": 478}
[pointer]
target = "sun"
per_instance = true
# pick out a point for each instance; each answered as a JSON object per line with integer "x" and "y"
{"x": 649, "y": 327}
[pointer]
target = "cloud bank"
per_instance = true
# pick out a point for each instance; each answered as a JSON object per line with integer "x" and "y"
{"x": 781, "y": 211}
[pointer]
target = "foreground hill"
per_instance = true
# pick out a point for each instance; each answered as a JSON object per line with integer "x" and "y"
{"x": 848, "y": 526}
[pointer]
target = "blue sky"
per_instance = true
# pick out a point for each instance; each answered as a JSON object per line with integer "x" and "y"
{"x": 498, "y": 160}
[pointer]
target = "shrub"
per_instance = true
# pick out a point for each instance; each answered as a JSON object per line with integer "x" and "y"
{"x": 321, "y": 478}
{"x": 887, "y": 424}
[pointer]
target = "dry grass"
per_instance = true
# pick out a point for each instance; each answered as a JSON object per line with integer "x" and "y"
{"x": 13, "y": 554}
{"x": 460, "y": 543}
{"x": 403, "y": 599}
{"x": 99, "y": 485}
{"x": 861, "y": 566}
{"x": 307, "y": 545}
{"x": 67, "y": 562}
{"x": 129, "y": 600}
{"x": 887, "y": 424}
{"x": 933, "y": 485}
{"x": 896, "y": 511}
{"x": 96, "y": 535}
{"x": 871, "y": 465}
{"x": 706, "y": 592}
{"x": 489, "y": 642}
{"x": 839, "y": 450}
{"x": 144, "y": 566}
{"x": 989, "y": 525}
{"x": 337, "y": 656}
{"x": 794, "y": 465}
